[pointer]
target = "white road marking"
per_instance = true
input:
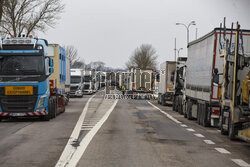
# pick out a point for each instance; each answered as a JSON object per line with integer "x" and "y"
{"x": 163, "y": 112}
{"x": 69, "y": 148}
{"x": 190, "y": 130}
{"x": 240, "y": 162}
{"x": 183, "y": 125}
{"x": 87, "y": 139}
{"x": 199, "y": 135}
{"x": 222, "y": 150}
{"x": 209, "y": 141}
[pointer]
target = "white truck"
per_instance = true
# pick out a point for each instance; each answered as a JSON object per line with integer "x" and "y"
{"x": 76, "y": 83}
{"x": 203, "y": 79}
{"x": 89, "y": 81}
{"x": 167, "y": 83}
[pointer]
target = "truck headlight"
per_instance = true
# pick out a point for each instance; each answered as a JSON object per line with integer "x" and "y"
{"x": 41, "y": 102}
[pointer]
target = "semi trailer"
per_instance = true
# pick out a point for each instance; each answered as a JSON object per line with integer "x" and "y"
{"x": 167, "y": 83}
{"x": 26, "y": 70}
{"x": 59, "y": 80}
{"x": 235, "y": 101}
{"x": 204, "y": 78}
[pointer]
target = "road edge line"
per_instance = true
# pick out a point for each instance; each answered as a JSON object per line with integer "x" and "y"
{"x": 163, "y": 112}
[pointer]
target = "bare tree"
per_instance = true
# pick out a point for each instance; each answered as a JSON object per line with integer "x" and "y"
{"x": 78, "y": 64}
{"x": 27, "y": 16}
{"x": 97, "y": 65}
{"x": 143, "y": 57}
{"x": 1, "y": 9}
{"x": 72, "y": 53}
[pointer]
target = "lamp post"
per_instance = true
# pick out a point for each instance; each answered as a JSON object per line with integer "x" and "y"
{"x": 187, "y": 27}
{"x": 178, "y": 51}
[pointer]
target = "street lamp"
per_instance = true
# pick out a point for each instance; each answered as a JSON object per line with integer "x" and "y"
{"x": 178, "y": 51}
{"x": 187, "y": 27}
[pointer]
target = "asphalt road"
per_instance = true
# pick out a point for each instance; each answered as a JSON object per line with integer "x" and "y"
{"x": 134, "y": 133}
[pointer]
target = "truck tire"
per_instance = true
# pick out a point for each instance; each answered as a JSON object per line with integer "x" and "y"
{"x": 163, "y": 102}
{"x": 232, "y": 130}
{"x": 222, "y": 120}
{"x": 189, "y": 110}
{"x": 199, "y": 108}
{"x": 206, "y": 116}
{"x": 48, "y": 116}
{"x": 54, "y": 108}
{"x": 174, "y": 103}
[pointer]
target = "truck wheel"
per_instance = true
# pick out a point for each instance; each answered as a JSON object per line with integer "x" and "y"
{"x": 231, "y": 129}
{"x": 206, "y": 116}
{"x": 198, "y": 113}
{"x": 163, "y": 102}
{"x": 174, "y": 103}
{"x": 53, "y": 108}
{"x": 222, "y": 120}
{"x": 189, "y": 110}
{"x": 48, "y": 116}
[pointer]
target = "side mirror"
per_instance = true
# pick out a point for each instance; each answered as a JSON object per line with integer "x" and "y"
{"x": 51, "y": 70}
{"x": 51, "y": 62}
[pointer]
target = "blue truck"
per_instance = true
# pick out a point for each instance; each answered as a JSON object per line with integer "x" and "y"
{"x": 25, "y": 86}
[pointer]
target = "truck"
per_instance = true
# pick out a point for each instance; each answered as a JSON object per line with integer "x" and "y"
{"x": 76, "y": 82}
{"x": 167, "y": 83}
{"x": 89, "y": 81}
{"x": 204, "y": 79}
{"x": 25, "y": 79}
{"x": 235, "y": 101}
{"x": 179, "y": 81}
{"x": 60, "y": 78}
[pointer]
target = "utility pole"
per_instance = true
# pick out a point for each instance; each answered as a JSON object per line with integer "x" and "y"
{"x": 174, "y": 49}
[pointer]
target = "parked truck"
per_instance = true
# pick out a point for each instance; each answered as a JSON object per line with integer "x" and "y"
{"x": 25, "y": 79}
{"x": 60, "y": 78}
{"x": 235, "y": 102}
{"x": 179, "y": 81}
{"x": 89, "y": 81}
{"x": 204, "y": 79}
{"x": 76, "y": 83}
{"x": 167, "y": 83}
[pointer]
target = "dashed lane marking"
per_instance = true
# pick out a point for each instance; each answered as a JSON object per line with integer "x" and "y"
{"x": 209, "y": 141}
{"x": 222, "y": 150}
{"x": 240, "y": 162}
{"x": 69, "y": 148}
{"x": 163, "y": 112}
{"x": 87, "y": 139}
{"x": 184, "y": 126}
{"x": 190, "y": 130}
{"x": 199, "y": 135}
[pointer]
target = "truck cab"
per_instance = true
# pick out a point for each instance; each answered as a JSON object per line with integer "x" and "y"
{"x": 76, "y": 82}
{"x": 24, "y": 78}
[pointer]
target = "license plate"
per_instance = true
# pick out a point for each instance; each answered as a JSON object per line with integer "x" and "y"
{"x": 18, "y": 114}
{"x": 19, "y": 90}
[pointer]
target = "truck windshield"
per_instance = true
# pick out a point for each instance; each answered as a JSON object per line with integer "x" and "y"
{"x": 21, "y": 65}
{"x": 75, "y": 79}
{"x": 87, "y": 78}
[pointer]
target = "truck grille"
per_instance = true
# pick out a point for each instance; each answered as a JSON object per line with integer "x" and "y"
{"x": 18, "y": 104}
{"x": 73, "y": 89}
{"x": 86, "y": 86}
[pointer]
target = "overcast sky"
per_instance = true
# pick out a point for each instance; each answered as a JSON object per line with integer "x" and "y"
{"x": 109, "y": 30}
